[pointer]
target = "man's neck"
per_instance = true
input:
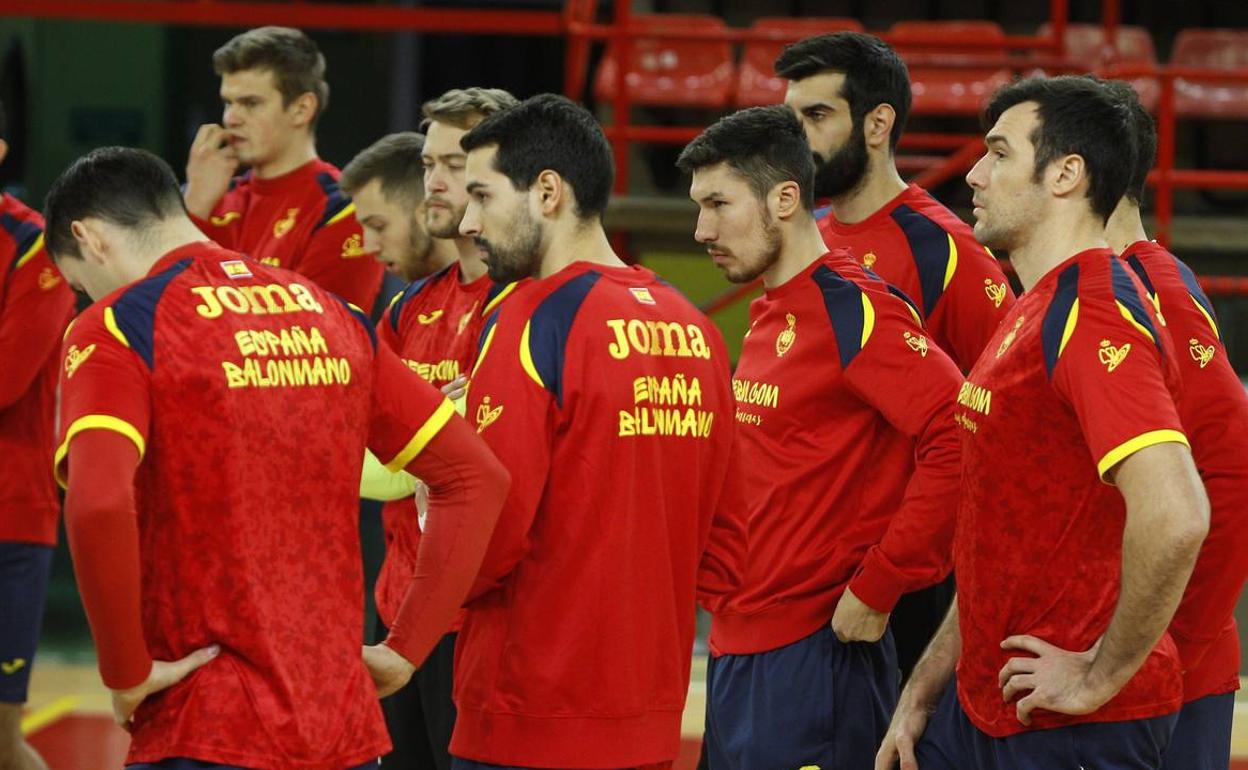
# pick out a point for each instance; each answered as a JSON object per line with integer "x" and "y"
{"x": 1125, "y": 227}
{"x": 1053, "y": 242}
{"x": 800, "y": 249}
{"x": 471, "y": 265}
{"x": 156, "y": 243}
{"x": 294, "y": 156}
{"x": 577, "y": 242}
{"x": 880, "y": 185}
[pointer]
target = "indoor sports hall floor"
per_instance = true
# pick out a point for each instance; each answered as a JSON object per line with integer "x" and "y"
{"x": 68, "y": 720}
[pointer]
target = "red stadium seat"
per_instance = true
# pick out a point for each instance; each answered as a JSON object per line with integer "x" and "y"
{"x": 961, "y": 88}
{"x": 668, "y": 72}
{"x": 1221, "y": 49}
{"x": 1086, "y": 46}
{"x": 758, "y": 83}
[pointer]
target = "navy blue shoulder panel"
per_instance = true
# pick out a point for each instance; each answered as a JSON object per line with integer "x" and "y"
{"x": 1137, "y": 267}
{"x": 1194, "y": 288}
{"x": 1126, "y": 293}
{"x": 1053, "y": 326}
{"x": 135, "y": 310}
{"x": 24, "y": 233}
{"x": 335, "y": 199}
{"x": 929, "y": 248}
{"x": 549, "y": 327}
{"x": 842, "y": 298}
{"x": 360, "y": 316}
{"x": 414, "y": 288}
{"x": 486, "y": 328}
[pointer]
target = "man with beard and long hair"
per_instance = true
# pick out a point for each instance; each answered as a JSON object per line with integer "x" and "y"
{"x": 849, "y": 464}
{"x": 606, "y": 393}
{"x": 433, "y": 325}
{"x": 287, "y": 210}
{"x": 852, "y": 94}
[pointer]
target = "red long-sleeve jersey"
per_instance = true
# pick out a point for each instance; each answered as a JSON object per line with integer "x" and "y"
{"x": 850, "y": 455}
{"x": 1214, "y": 411}
{"x": 35, "y": 306}
{"x": 922, "y": 248}
{"x": 301, "y": 221}
{"x": 605, "y": 393}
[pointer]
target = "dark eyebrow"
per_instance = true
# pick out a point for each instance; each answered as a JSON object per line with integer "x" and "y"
{"x": 816, "y": 106}
{"x": 992, "y": 139}
{"x": 474, "y": 186}
{"x": 711, "y": 196}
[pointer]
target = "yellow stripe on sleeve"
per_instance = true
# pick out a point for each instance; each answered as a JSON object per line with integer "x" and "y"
{"x": 30, "y": 253}
{"x": 526, "y": 356}
{"x": 1126, "y": 313}
{"x": 94, "y": 422}
{"x": 868, "y": 320}
{"x": 952, "y": 265}
{"x": 110, "y": 322}
{"x": 1072, "y": 318}
{"x": 441, "y": 416}
{"x": 349, "y": 210}
{"x": 501, "y": 296}
{"x": 1130, "y": 447}
{"x": 1212, "y": 324}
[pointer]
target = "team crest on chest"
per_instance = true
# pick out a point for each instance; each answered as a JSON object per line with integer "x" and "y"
{"x": 917, "y": 343}
{"x": 868, "y": 261}
{"x": 353, "y": 246}
{"x": 1112, "y": 356}
{"x": 995, "y": 291}
{"x": 1009, "y": 337}
{"x": 486, "y": 415}
{"x": 786, "y": 338}
{"x": 283, "y": 225}
{"x": 1201, "y": 354}
{"x": 463, "y": 321}
{"x": 49, "y": 278}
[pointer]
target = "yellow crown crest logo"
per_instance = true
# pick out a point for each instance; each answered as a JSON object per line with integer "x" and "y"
{"x": 1201, "y": 354}
{"x": 1112, "y": 356}
{"x": 786, "y": 338}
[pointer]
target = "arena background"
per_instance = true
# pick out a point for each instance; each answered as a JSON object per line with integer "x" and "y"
{"x": 78, "y": 74}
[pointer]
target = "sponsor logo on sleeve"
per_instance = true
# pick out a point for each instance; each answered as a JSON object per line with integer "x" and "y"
{"x": 428, "y": 318}
{"x": 917, "y": 343}
{"x": 996, "y": 291}
{"x": 74, "y": 358}
{"x": 1111, "y": 356}
{"x": 1201, "y": 354}
{"x": 225, "y": 219}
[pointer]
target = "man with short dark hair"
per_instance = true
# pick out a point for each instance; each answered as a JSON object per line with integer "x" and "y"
{"x": 1082, "y": 512}
{"x": 211, "y": 453}
{"x": 1214, "y": 412}
{"x": 386, "y": 183}
{"x": 35, "y": 306}
{"x": 605, "y": 392}
{"x": 434, "y": 325}
{"x": 287, "y": 210}
{"x": 849, "y": 464}
{"x": 852, "y": 94}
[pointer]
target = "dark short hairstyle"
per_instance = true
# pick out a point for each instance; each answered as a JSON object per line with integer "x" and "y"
{"x": 127, "y": 187}
{"x": 765, "y": 145}
{"x": 874, "y": 73}
{"x": 1078, "y": 115}
{"x": 550, "y": 132}
{"x": 465, "y": 107}
{"x": 1144, "y": 132}
{"x": 394, "y": 161}
{"x": 296, "y": 63}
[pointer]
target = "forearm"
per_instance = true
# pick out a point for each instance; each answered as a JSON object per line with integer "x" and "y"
{"x": 104, "y": 541}
{"x": 936, "y": 667}
{"x": 1167, "y": 519}
{"x": 467, "y": 489}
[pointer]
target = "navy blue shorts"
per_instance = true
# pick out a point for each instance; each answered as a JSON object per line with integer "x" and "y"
{"x": 951, "y": 742}
{"x": 1202, "y": 738}
{"x": 818, "y": 701}
{"x": 182, "y": 763}
{"x": 23, "y": 590}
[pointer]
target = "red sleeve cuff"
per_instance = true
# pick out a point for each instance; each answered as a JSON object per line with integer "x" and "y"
{"x": 878, "y": 583}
